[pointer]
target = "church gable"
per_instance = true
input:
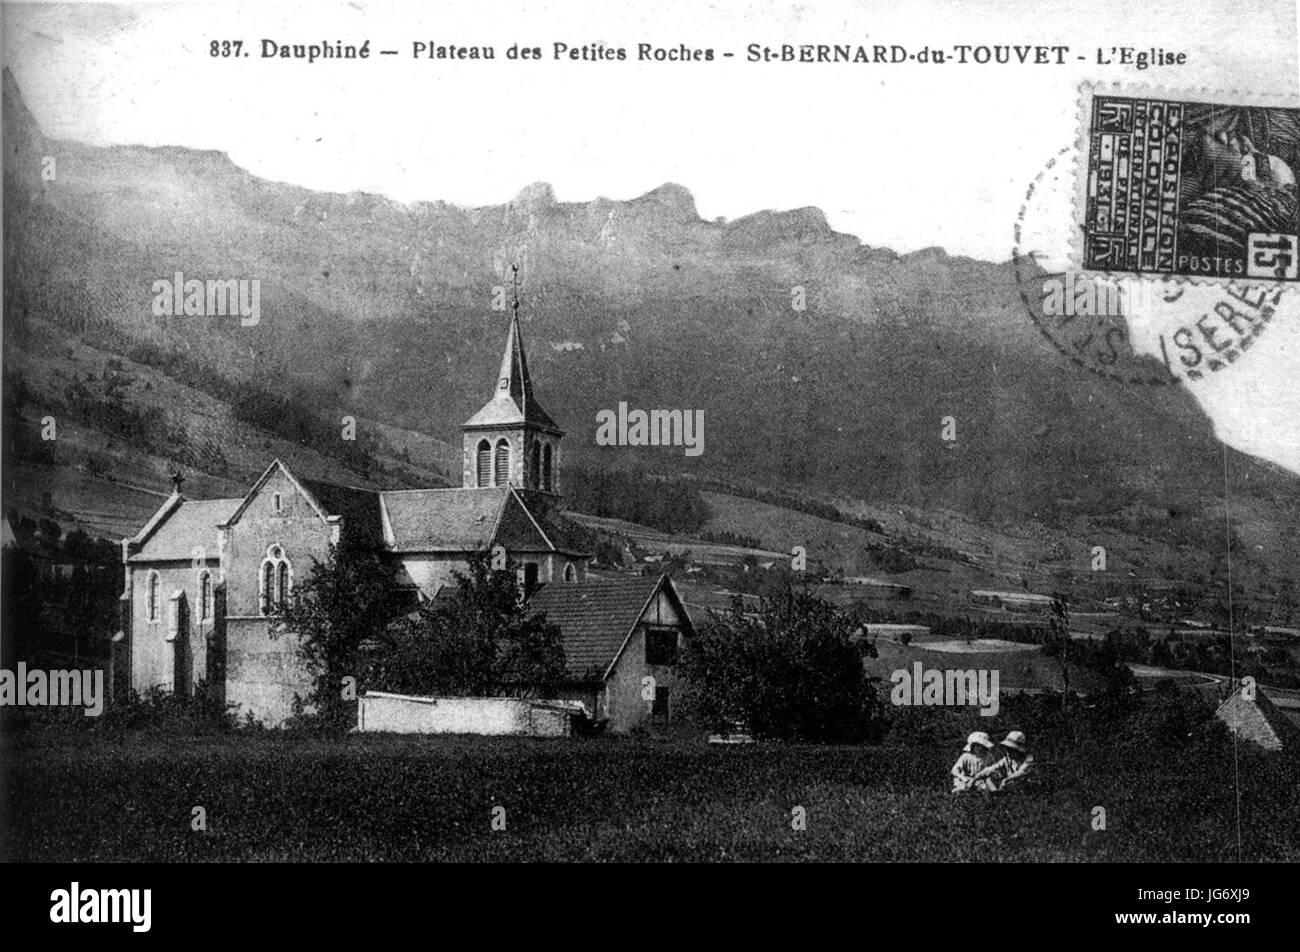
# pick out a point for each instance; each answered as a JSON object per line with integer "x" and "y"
{"x": 278, "y": 494}
{"x": 272, "y": 539}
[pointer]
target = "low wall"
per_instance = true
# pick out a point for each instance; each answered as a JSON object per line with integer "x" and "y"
{"x": 403, "y": 714}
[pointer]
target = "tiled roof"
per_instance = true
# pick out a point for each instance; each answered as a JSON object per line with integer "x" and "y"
{"x": 1259, "y": 721}
{"x": 193, "y": 522}
{"x": 595, "y": 618}
{"x": 443, "y": 520}
{"x": 463, "y": 520}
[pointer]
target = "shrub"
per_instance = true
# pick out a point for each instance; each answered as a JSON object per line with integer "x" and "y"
{"x": 787, "y": 671}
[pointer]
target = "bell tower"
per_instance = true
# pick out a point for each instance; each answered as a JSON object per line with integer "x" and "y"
{"x": 512, "y": 440}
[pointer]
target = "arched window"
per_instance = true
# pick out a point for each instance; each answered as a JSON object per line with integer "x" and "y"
{"x": 484, "y": 464}
{"x": 570, "y": 573}
{"x": 548, "y": 473}
{"x": 535, "y": 466}
{"x": 501, "y": 467}
{"x": 205, "y": 596}
{"x": 276, "y": 579}
{"x": 151, "y": 596}
{"x": 267, "y": 587}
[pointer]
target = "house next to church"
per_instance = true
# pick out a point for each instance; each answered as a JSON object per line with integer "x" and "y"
{"x": 202, "y": 575}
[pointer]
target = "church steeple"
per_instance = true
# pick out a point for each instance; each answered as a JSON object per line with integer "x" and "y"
{"x": 513, "y": 376}
{"x": 512, "y": 439}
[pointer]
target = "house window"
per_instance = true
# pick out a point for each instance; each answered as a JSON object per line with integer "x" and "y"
{"x": 535, "y": 466}
{"x": 659, "y": 711}
{"x": 151, "y": 596}
{"x": 205, "y": 596}
{"x": 501, "y": 468}
{"x": 530, "y": 578}
{"x": 548, "y": 474}
{"x": 661, "y": 646}
{"x": 570, "y": 573}
{"x": 484, "y": 464}
{"x": 275, "y": 501}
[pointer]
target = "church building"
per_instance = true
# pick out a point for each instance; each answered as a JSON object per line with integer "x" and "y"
{"x": 202, "y": 575}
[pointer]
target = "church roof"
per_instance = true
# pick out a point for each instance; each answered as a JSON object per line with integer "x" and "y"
{"x": 596, "y": 618}
{"x": 513, "y": 403}
{"x": 1258, "y": 720}
{"x": 464, "y": 520}
{"x": 418, "y": 520}
{"x": 192, "y": 522}
{"x": 437, "y": 520}
{"x": 360, "y": 509}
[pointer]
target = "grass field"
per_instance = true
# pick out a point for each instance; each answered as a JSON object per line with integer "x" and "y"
{"x": 275, "y": 796}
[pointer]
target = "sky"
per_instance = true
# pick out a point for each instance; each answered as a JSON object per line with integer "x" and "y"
{"x": 906, "y": 156}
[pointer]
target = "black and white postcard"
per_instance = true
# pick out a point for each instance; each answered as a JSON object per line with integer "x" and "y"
{"x": 747, "y": 432}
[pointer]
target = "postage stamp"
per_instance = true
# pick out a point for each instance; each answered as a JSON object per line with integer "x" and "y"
{"x": 1150, "y": 329}
{"x": 1198, "y": 187}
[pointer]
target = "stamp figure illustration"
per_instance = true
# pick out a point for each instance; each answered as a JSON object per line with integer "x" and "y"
{"x": 1190, "y": 189}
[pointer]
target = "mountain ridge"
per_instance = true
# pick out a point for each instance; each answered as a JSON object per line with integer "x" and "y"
{"x": 821, "y": 363}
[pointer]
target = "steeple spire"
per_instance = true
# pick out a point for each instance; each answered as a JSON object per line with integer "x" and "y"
{"x": 513, "y": 377}
{"x": 512, "y": 400}
{"x": 512, "y": 440}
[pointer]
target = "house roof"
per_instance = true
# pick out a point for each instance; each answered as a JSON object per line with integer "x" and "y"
{"x": 1258, "y": 720}
{"x": 595, "y": 618}
{"x": 190, "y": 522}
{"x": 512, "y": 402}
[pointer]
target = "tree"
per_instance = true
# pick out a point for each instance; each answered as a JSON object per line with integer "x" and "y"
{"x": 787, "y": 671}
{"x": 344, "y": 602}
{"x": 1057, "y": 642}
{"x": 477, "y": 641}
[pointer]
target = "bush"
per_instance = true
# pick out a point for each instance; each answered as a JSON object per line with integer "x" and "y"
{"x": 163, "y": 711}
{"x": 787, "y": 672}
{"x": 157, "y": 710}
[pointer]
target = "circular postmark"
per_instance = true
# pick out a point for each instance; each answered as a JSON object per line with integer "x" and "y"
{"x": 1135, "y": 329}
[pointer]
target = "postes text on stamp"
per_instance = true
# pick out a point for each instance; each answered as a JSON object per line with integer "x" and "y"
{"x": 1189, "y": 189}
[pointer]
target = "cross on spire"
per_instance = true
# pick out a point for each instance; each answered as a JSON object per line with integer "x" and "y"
{"x": 177, "y": 478}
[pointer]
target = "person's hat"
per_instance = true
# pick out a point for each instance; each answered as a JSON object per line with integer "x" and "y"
{"x": 1015, "y": 740}
{"x": 979, "y": 737}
